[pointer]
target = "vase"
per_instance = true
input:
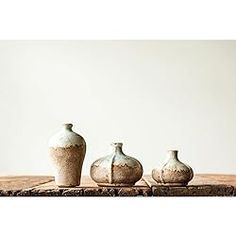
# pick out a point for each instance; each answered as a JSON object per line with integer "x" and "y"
{"x": 67, "y": 151}
{"x": 116, "y": 169}
{"x": 173, "y": 172}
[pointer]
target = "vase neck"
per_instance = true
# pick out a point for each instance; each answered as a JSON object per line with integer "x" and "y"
{"x": 67, "y": 127}
{"x": 117, "y": 148}
{"x": 173, "y": 155}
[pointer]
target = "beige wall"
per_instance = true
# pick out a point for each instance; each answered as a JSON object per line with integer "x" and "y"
{"x": 151, "y": 95}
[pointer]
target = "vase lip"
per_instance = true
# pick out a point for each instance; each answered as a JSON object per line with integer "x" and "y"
{"x": 67, "y": 126}
{"x": 169, "y": 151}
{"x": 117, "y": 144}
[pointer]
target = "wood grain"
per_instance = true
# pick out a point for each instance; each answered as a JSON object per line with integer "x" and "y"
{"x": 89, "y": 188}
{"x": 12, "y": 185}
{"x": 201, "y": 185}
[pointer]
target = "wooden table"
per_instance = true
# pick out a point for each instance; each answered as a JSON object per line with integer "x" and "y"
{"x": 201, "y": 185}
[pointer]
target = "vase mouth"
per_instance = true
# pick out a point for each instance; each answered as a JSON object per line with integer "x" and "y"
{"x": 67, "y": 126}
{"x": 117, "y": 144}
{"x": 171, "y": 151}
{"x": 172, "y": 154}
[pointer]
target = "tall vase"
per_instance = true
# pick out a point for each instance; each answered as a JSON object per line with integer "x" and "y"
{"x": 116, "y": 169}
{"x": 173, "y": 172}
{"x": 67, "y": 151}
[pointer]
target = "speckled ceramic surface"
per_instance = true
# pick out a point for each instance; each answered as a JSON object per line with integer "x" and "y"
{"x": 173, "y": 172}
{"x": 67, "y": 151}
{"x": 116, "y": 169}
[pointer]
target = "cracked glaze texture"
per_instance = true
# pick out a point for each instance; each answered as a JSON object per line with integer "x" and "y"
{"x": 116, "y": 169}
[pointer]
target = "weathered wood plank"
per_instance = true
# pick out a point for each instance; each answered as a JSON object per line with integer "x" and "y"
{"x": 13, "y": 185}
{"x": 89, "y": 188}
{"x": 214, "y": 179}
{"x": 201, "y": 185}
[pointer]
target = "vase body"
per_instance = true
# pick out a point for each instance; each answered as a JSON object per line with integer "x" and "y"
{"x": 173, "y": 172}
{"x": 67, "y": 151}
{"x": 116, "y": 169}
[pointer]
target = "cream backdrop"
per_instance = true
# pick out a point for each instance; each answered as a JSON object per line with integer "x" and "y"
{"x": 150, "y": 95}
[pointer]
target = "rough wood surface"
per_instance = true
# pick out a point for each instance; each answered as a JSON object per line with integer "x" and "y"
{"x": 201, "y": 185}
{"x": 90, "y": 188}
{"x": 12, "y": 185}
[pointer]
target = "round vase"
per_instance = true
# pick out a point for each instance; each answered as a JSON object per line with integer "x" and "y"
{"x": 116, "y": 169}
{"x": 173, "y": 172}
{"x": 67, "y": 151}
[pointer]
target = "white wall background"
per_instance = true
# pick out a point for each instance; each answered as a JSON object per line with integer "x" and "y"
{"x": 151, "y": 95}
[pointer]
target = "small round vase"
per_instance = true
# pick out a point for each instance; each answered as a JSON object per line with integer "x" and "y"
{"x": 67, "y": 151}
{"x": 116, "y": 169}
{"x": 173, "y": 172}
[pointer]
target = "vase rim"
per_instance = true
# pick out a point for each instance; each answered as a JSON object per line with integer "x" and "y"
{"x": 67, "y": 125}
{"x": 117, "y": 144}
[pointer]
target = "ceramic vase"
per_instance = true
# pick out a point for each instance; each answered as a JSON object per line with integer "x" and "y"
{"x": 67, "y": 151}
{"x": 116, "y": 169}
{"x": 173, "y": 172}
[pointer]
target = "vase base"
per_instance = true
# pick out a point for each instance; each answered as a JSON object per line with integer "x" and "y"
{"x": 67, "y": 186}
{"x": 114, "y": 185}
{"x": 173, "y": 184}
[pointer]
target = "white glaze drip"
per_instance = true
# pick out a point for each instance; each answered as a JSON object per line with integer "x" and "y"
{"x": 173, "y": 163}
{"x": 65, "y": 138}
